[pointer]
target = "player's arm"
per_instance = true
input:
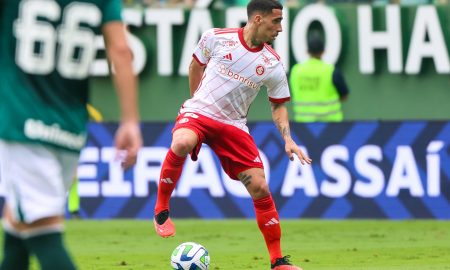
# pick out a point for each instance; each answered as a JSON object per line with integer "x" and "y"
{"x": 195, "y": 75}
{"x": 128, "y": 136}
{"x": 281, "y": 119}
{"x": 340, "y": 84}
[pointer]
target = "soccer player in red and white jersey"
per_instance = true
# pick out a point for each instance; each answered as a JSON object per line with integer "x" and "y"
{"x": 229, "y": 67}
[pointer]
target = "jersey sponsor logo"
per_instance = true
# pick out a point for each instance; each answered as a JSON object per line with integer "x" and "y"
{"x": 272, "y": 222}
{"x": 238, "y": 77}
{"x": 229, "y": 43}
{"x": 183, "y": 120}
{"x": 191, "y": 115}
{"x": 260, "y": 70}
{"x": 228, "y": 57}
{"x": 38, "y": 130}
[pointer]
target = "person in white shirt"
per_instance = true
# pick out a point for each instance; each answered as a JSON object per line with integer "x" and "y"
{"x": 229, "y": 67}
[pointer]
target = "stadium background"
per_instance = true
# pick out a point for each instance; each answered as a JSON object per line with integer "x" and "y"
{"x": 164, "y": 39}
{"x": 390, "y": 159}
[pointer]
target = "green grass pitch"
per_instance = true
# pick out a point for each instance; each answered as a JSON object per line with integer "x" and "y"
{"x": 238, "y": 244}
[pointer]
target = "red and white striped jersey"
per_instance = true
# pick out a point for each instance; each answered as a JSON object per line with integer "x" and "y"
{"x": 233, "y": 77}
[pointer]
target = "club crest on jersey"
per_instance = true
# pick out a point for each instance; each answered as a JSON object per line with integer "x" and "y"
{"x": 260, "y": 70}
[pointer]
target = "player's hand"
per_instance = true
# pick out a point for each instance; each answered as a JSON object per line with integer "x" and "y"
{"x": 128, "y": 142}
{"x": 292, "y": 148}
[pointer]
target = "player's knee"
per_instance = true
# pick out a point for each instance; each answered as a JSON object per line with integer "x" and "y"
{"x": 182, "y": 147}
{"x": 260, "y": 191}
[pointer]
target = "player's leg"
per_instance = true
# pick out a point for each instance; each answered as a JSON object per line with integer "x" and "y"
{"x": 35, "y": 201}
{"x": 241, "y": 161}
{"x": 45, "y": 241}
{"x": 15, "y": 252}
{"x": 183, "y": 142}
{"x": 266, "y": 216}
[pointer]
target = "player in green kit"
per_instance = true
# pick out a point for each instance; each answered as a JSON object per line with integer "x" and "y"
{"x": 46, "y": 49}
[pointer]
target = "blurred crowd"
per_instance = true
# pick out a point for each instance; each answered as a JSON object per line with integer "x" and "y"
{"x": 289, "y": 3}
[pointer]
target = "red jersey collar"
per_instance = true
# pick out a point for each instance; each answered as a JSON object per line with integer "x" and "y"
{"x": 241, "y": 39}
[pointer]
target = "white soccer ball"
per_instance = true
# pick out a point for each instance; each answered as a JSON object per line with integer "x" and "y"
{"x": 190, "y": 256}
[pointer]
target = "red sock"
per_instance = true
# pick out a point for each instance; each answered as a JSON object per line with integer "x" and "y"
{"x": 269, "y": 224}
{"x": 170, "y": 173}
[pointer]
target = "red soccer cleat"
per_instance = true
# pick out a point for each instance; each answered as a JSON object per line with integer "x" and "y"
{"x": 287, "y": 267}
{"x": 284, "y": 264}
{"x": 167, "y": 229}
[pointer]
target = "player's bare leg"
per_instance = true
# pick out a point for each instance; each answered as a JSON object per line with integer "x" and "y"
{"x": 183, "y": 141}
{"x": 266, "y": 216}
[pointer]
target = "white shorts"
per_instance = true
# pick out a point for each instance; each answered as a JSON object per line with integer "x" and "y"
{"x": 35, "y": 179}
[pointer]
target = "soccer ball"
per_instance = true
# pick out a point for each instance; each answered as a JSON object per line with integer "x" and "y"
{"x": 190, "y": 256}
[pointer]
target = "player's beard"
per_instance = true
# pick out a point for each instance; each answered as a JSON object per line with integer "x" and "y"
{"x": 271, "y": 41}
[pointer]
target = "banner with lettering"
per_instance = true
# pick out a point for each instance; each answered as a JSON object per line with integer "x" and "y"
{"x": 389, "y": 55}
{"x": 389, "y": 170}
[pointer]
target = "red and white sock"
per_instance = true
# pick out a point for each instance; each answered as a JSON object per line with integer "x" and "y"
{"x": 170, "y": 174}
{"x": 269, "y": 224}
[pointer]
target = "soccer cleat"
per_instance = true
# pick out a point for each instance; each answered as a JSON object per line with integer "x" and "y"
{"x": 284, "y": 264}
{"x": 287, "y": 267}
{"x": 163, "y": 224}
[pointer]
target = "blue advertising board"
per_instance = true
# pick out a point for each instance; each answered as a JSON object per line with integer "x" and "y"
{"x": 389, "y": 170}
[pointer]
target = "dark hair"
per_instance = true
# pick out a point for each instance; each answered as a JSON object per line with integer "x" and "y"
{"x": 263, "y": 6}
{"x": 316, "y": 44}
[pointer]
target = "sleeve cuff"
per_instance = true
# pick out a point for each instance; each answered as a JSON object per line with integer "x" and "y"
{"x": 198, "y": 61}
{"x": 279, "y": 100}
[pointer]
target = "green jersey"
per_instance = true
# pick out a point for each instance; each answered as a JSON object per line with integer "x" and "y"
{"x": 46, "y": 49}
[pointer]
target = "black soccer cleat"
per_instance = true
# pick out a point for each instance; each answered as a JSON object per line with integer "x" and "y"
{"x": 161, "y": 217}
{"x": 284, "y": 264}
